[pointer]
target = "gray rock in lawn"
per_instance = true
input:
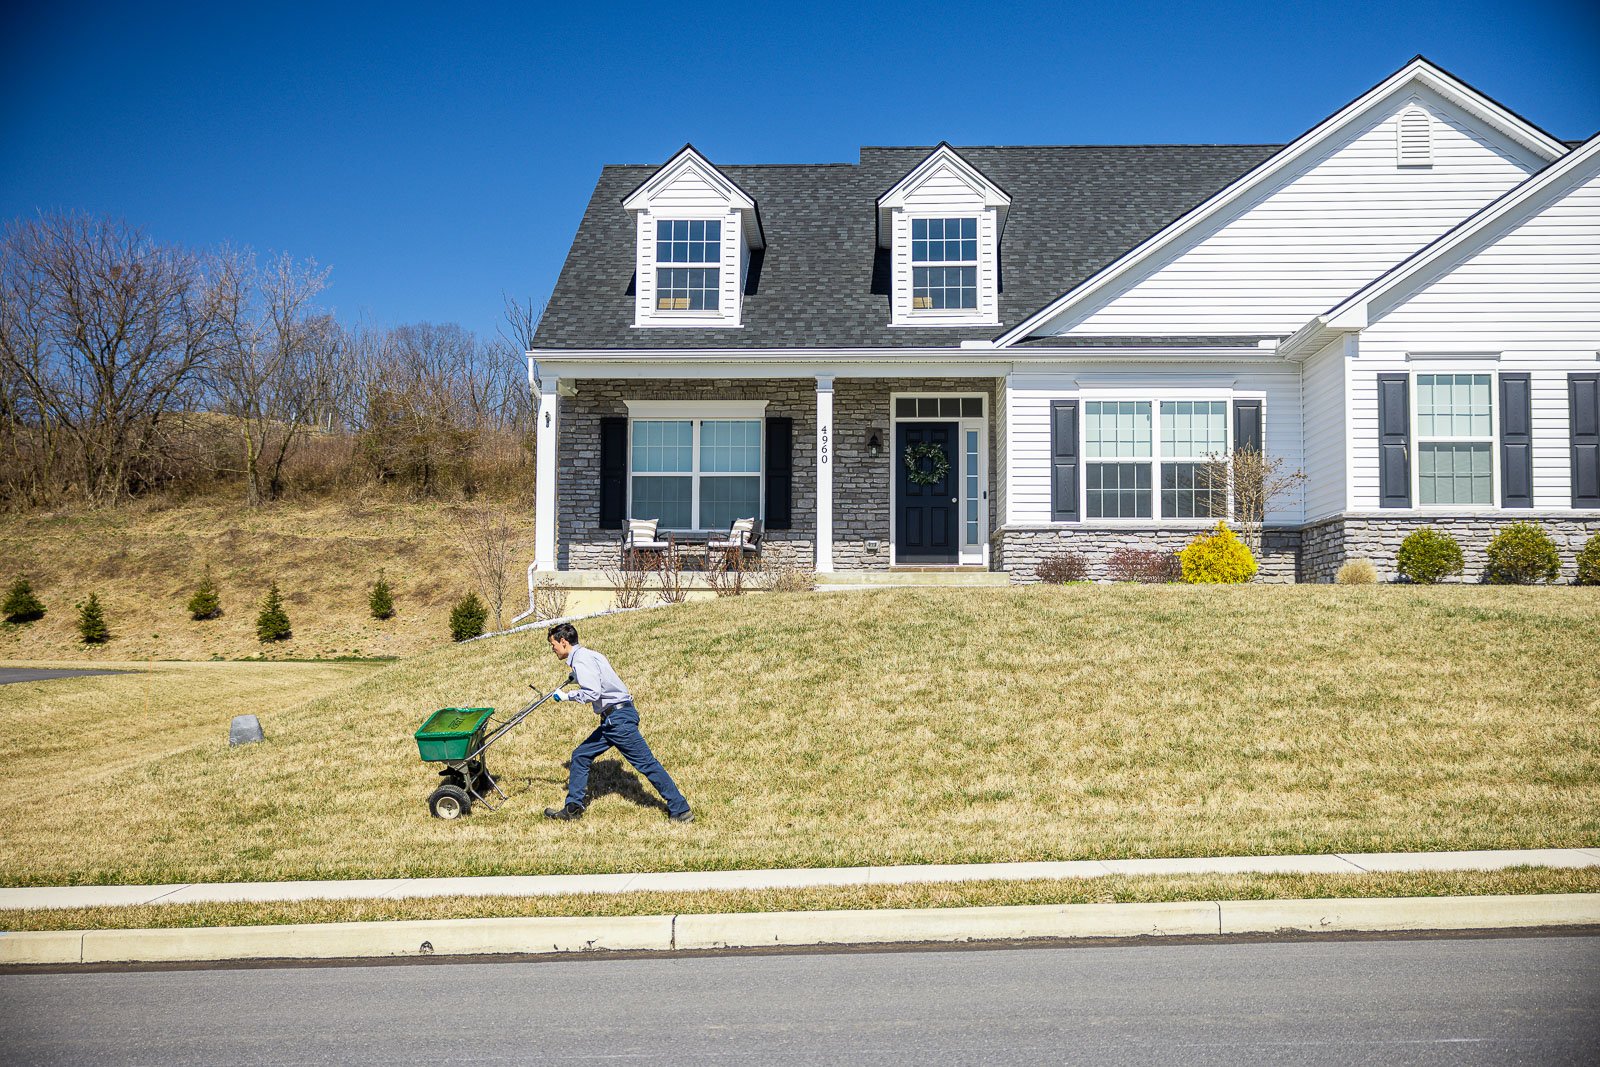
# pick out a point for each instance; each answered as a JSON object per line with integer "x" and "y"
{"x": 244, "y": 730}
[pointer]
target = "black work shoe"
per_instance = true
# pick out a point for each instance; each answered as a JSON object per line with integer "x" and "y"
{"x": 682, "y": 816}
{"x": 570, "y": 813}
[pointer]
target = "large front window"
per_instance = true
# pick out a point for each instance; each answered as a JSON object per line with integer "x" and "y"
{"x": 696, "y": 474}
{"x": 1455, "y": 439}
{"x": 1131, "y": 446}
{"x": 688, "y": 241}
{"x": 944, "y": 257}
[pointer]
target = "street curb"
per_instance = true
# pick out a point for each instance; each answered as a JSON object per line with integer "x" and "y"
{"x": 462, "y": 937}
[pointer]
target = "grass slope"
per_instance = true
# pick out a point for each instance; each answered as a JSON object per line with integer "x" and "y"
{"x": 145, "y": 560}
{"x": 885, "y": 727}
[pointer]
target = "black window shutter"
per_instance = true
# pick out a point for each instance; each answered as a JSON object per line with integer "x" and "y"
{"x": 780, "y": 473}
{"x": 613, "y": 471}
{"x": 1516, "y": 442}
{"x": 1247, "y": 426}
{"x": 1394, "y": 441}
{"x": 1583, "y": 399}
{"x": 1064, "y": 461}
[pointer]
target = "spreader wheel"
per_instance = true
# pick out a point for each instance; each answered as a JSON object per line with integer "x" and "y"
{"x": 449, "y": 802}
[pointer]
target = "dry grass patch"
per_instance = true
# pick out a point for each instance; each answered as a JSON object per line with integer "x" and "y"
{"x": 906, "y": 727}
{"x": 1109, "y": 890}
{"x": 145, "y": 560}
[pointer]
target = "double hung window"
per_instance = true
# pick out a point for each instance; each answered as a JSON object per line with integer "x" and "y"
{"x": 696, "y": 474}
{"x": 944, "y": 258}
{"x": 1128, "y": 444}
{"x": 688, "y": 241}
{"x": 1455, "y": 439}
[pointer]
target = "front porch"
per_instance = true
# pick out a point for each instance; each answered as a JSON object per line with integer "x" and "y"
{"x": 819, "y": 458}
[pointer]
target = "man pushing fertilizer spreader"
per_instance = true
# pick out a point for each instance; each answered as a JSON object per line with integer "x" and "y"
{"x": 599, "y": 686}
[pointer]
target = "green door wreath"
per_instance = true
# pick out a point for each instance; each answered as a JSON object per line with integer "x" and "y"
{"x": 938, "y": 464}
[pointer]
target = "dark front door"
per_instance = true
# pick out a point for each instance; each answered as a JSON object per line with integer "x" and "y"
{"x": 925, "y": 515}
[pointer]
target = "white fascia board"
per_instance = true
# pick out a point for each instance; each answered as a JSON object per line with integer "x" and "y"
{"x": 1355, "y": 311}
{"x": 1418, "y": 71}
{"x": 689, "y": 158}
{"x": 944, "y": 155}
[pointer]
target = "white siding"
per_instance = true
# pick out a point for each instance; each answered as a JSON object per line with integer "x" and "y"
{"x": 1531, "y": 294}
{"x": 1322, "y": 398}
{"x": 1316, "y": 235}
{"x": 1028, "y": 418}
{"x": 689, "y": 189}
{"x": 945, "y": 194}
{"x": 1001, "y": 452}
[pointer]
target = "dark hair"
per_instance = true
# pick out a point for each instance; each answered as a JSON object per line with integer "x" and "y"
{"x": 563, "y": 631}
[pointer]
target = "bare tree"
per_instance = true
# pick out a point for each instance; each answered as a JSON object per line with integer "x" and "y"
{"x": 273, "y": 372}
{"x": 491, "y": 544}
{"x": 104, "y": 334}
{"x": 1254, "y": 481}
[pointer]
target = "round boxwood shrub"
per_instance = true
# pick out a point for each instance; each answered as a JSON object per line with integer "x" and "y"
{"x": 1427, "y": 555}
{"x": 1217, "y": 558}
{"x": 21, "y": 605}
{"x": 467, "y": 618}
{"x": 1589, "y": 561}
{"x": 1522, "y": 554}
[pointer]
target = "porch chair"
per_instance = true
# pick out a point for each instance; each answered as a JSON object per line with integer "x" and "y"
{"x": 639, "y": 535}
{"x": 743, "y": 536}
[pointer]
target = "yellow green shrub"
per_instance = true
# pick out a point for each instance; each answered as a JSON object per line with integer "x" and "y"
{"x": 1217, "y": 558}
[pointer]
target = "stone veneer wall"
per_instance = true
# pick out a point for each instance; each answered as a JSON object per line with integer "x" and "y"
{"x": 1018, "y": 549}
{"x": 1325, "y": 546}
{"x": 860, "y": 480}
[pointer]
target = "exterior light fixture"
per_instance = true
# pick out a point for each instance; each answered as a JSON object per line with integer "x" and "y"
{"x": 874, "y": 445}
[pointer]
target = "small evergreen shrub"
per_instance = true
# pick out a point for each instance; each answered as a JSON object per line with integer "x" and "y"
{"x": 206, "y": 603}
{"x": 272, "y": 624}
{"x": 1522, "y": 554}
{"x": 1058, "y": 568}
{"x": 381, "y": 600}
{"x": 1147, "y": 565}
{"x": 1357, "y": 572}
{"x": 21, "y": 605}
{"x": 1217, "y": 558}
{"x": 1589, "y": 561}
{"x": 92, "y": 622}
{"x": 1427, "y": 555}
{"x": 468, "y": 617}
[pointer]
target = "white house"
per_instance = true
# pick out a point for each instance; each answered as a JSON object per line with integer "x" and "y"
{"x": 974, "y": 357}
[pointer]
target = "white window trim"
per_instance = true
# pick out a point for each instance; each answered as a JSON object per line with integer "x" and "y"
{"x": 973, "y": 316}
{"x": 1097, "y": 395}
{"x": 728, "y": 313}
{"x": 1462, "y": 366}
{"x": 696, "y": 412}
{"x": 966, "y": 555}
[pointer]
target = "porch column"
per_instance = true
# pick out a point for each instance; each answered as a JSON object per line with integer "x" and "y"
{"x": 544, "y": 479}
{"x": 824, "y": 474}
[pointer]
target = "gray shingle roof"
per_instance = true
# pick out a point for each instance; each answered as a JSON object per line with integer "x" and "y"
{"x": 822, "y": 282}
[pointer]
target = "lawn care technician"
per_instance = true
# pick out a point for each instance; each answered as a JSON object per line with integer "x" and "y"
{"x": 599, "y": 686}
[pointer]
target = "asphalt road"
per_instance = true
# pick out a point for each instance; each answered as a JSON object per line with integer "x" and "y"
{"x": 10, "y": 675}
{"x": 1505, "y": 1000}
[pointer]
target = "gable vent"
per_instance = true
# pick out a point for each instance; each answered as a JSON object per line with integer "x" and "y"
{"x": 1414, "y": 138}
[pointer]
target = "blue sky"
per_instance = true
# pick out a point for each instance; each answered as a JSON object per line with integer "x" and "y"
{"x": 435, "y": 155}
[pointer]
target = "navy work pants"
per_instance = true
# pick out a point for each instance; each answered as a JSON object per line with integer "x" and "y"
{"x": 619, "y": 728}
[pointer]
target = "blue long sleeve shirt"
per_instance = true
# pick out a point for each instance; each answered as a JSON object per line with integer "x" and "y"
{"x": 598, "y": 684}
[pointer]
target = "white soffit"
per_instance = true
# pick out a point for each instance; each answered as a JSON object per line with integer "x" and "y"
{"x": 1418, "y": 72}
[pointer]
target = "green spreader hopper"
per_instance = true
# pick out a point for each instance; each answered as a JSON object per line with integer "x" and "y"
{"x": 459, "y": 738}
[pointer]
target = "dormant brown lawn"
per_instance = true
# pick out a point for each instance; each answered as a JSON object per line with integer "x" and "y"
{"x": 866, "y": 728}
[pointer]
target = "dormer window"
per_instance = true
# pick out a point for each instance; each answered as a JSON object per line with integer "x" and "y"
{"x": 944, "y": 256}
{"x": 942, "y": 224}
{"x": 696, "y": 232}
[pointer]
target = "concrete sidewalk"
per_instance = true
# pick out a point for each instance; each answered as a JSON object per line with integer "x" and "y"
{"x": 693, "y": 881}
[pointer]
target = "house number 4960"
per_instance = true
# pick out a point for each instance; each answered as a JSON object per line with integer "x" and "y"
{"x": 822, "y": 447}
